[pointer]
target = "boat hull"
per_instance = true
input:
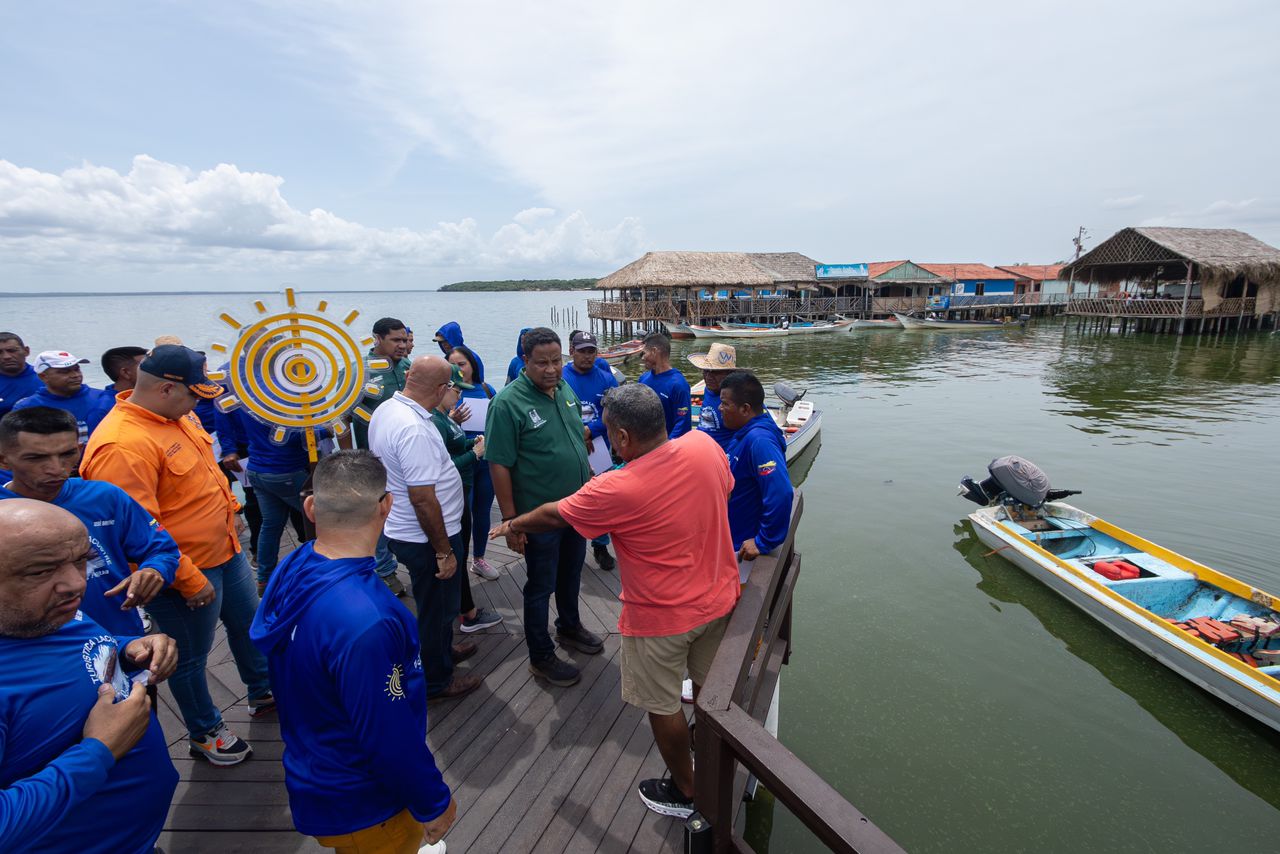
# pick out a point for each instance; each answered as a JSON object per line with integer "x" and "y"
{"x": 909, "y": 322}
{"x": 876, "y": 324}
{"x": 1247, "y": 689}
{"x": 717, "y": 332}
{"x": 802, "y": 438}
{"x": 679, "y": 331}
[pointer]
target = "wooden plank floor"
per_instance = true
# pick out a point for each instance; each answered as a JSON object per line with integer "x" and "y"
{"x": 534, "y": 768}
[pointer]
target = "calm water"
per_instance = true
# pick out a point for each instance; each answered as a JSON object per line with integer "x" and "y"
{"x": 957, "y": 702}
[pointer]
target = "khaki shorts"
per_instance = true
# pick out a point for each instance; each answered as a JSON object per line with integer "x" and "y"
{"x": 653, "y": 668}
{"x": 400, "y": 834}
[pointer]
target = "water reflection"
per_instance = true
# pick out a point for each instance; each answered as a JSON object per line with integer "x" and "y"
{"x": 1157, "y": 388}
{"x": 1241, "y": 747}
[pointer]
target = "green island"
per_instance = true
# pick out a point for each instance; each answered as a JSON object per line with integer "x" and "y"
{"x": 525, "y": 285}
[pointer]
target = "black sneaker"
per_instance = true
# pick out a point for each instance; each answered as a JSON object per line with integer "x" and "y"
{"x": 555, "y": 670}
{"x": 220, "y": 746}
{"x": 604, "y": 560}
{"x": 665, "y": 798}
{"x": 580, "y": 639}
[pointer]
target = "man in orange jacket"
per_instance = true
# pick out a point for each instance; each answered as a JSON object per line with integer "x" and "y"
{"x": 152, "y": 447}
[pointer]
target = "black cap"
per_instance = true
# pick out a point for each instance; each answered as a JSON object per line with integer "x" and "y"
{"x": 181, "y": 365}
{"x": 582, "y": 340}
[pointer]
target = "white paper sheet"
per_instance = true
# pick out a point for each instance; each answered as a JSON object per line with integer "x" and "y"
{"x": 243, "y": 474}
{"x": 479, "y": 407}
{"x": 600, "y": 459}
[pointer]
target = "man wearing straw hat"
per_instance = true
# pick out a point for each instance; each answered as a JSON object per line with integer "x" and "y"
{"x": 718, "y": 362}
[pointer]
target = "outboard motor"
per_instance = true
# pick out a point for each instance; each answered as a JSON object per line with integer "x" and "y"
{"x": 787, "y": 394}
{"x": 1013, "y": 480}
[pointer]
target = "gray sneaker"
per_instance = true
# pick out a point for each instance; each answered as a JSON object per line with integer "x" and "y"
{"x": 580, "y": 639}
{"x": 483, "y": 619}
{"x": 220, "y": 746}
{"x": 555, "y": 670}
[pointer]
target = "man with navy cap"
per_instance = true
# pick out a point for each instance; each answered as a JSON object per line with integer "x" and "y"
{"x": 153, "y": 447}
{"x": 64, "y": 388}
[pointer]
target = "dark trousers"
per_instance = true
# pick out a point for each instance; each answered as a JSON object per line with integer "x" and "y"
{"x": 467, "y": 602}
{"x": 553, "y": 564}
{"x": 438, "y": 602}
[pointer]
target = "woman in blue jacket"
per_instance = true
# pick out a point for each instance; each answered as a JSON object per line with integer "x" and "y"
{"x": 472, "y": 370}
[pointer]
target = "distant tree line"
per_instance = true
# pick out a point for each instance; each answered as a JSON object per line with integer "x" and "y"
{"x": 525, "y": 285}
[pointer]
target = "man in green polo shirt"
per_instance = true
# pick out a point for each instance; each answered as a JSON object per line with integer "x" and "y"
{"x": 536, "y": 451}
{"x": 390, "y": 342}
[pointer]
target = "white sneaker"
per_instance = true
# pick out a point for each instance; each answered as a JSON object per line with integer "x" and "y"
{"x": 482, "y": 568}
{"x": 686, "y": 691}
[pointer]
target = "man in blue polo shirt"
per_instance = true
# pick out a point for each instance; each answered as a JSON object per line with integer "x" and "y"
{"x": 64, "y": 388}
{"x": 83, "y": 761}
{"x": 590, "y": 378}
{"x": 39, "y": 446}
{"x": 760, "y": 504}
{"x": 347, "y": 672}
{"x": 670, "y": 384}
{"x": 17, "y": 378}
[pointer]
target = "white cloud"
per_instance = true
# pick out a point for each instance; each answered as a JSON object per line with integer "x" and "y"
{"x": 1257, "y": 213}
{"x": 166, "y": 213}
{"x": 1121, "y": 203}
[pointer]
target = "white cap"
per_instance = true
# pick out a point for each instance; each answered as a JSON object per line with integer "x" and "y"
{"x": 56, "y": 359}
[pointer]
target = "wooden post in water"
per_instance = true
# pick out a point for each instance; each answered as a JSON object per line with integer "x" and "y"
{"x": 1186, "y": 295}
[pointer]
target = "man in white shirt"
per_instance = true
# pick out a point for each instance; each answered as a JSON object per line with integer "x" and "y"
{"x": 425, "y": 524}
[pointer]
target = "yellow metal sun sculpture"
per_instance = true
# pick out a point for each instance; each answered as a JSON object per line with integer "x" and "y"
{"x": 297, "y": 371}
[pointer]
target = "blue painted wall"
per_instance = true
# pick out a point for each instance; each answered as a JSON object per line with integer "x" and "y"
{"x": 993, "y": 286}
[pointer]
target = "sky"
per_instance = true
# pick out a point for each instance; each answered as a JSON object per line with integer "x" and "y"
{"x": 152, "y": 145}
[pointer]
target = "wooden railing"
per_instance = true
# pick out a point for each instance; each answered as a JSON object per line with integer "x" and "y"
{"x": 1161, "y": 307}
{"x": 706, "y": 311}
{"x": 730, "y": 739}
{"x": 975, "y": 301}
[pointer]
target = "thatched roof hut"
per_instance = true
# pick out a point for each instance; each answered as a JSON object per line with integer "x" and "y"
{"x": 696, "y": 270}
{"x": 1220, "y": 259}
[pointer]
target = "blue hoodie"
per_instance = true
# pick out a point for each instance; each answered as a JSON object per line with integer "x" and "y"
{"x": 239, "y": 429}
{"x": 673, "y": 390}
{"x": 59, "y": 792}
{"x": 14, "y": 389}
{"x": 590, "y": 388}
{"x": 517, "y": 364}
{"x": 121, "y": 532}
{"x": 760, "y": 504}
{"x": 347, "y": 677}
{"x": 88, "y": 405}
{"x": 451, "y": 332}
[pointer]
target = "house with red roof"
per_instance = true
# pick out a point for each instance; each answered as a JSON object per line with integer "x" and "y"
{"x": 975, "y": 279}
{"x": 1038, "y": 278}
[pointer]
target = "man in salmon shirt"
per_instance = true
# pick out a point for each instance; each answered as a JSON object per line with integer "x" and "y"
{"x": 676, "y": 561}
{"x": 152, "y": 447}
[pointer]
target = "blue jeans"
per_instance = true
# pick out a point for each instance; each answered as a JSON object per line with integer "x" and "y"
{"x": 386, "y": 561}
{"x": 234, "y": 602}
{"x": 438, "y": 604}
{"x": 553, "y": 563}
{"x": 276, "y": 493}
{"x": 481, "y": 507}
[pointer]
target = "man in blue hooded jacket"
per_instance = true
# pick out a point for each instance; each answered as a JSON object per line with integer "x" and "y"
{"x": 449, "y": 336}
{"x": 760, "y": 504}
{"x": 39, "y": 445}
{"x": 347, "y": 675}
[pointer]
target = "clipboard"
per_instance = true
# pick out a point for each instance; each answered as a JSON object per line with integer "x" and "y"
{"x": 479, "y": 407}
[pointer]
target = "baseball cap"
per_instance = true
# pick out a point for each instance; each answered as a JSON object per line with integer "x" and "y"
{"x": 56, "y": 359}
{"x": 583, "y": 340}
{"x": 456, "y": 377}
{"x": 181, "y": 365}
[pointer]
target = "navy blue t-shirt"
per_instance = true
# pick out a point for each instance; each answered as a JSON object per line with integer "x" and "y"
{"x": 673, "y": 390}
{"x": 14, "y": 389}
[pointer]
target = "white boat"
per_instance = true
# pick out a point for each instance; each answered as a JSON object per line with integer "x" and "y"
{"x": 1216, "y": 631}
{"x": 795, "y": 328}
{"x": 678, "y": 330}
{"x": 869, "y": 323}
{"x": 720, "y": 332}
{"x": 909, "y": 322}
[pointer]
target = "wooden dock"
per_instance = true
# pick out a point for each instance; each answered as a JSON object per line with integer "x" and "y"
{"x": 533, "y": 768}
